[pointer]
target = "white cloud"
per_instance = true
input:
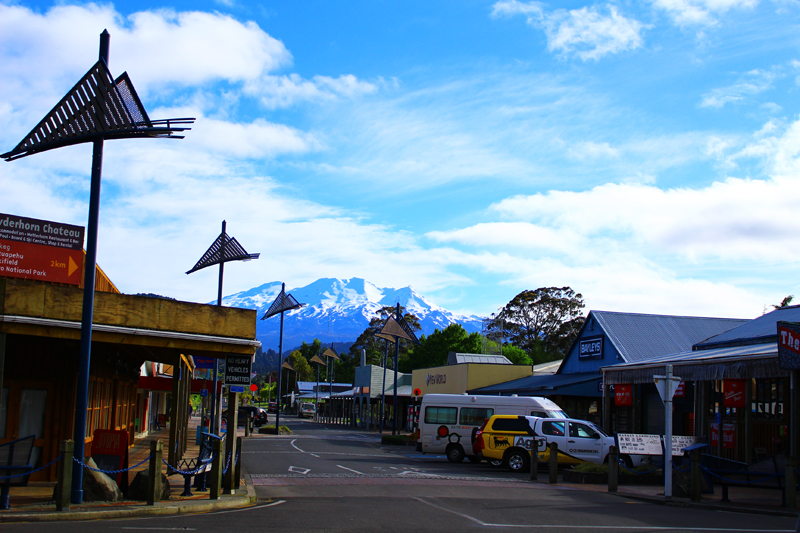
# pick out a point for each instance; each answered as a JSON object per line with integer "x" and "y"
{"x": 700, "y": 12}
{"x": 750, "y": 83}
{"x": 593, "y": 150}
{"x": 588, "y": 32}
{"x": 283, "y": 91}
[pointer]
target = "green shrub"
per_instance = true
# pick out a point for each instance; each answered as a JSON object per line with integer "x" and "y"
{"x": 397, "y": 440}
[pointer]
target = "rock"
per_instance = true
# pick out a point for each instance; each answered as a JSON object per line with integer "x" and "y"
{"x": 138, "y": 487}
{"x": 98, "y": 487}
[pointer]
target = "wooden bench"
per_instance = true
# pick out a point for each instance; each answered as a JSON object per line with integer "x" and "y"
{"x": 15, "y": 458}
{"x": 198, "y": 466}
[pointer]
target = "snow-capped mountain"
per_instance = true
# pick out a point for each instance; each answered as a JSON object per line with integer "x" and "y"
{"x": 338, "y": 310}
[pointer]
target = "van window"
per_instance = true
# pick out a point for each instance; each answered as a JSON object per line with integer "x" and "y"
{"x": 540, "y": 414}
{"x": 474, "y": 416}
{"x": 440, "y": 415}
{"x": 512, "y": 424}
{"x": 553, "y": 428}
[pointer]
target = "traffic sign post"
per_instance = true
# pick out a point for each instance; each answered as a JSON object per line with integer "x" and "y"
{"x": 667, "y": 385}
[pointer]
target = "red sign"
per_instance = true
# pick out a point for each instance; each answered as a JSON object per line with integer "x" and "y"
{"x": 623, "y": 395}
{"x": 728, "y": 435}
{"x": 253, "y": 387}
{"x": 45, "y": 263}
{"x": 734, "y": 392}
{"x": 680, "y": 392}
{"x": 110, "y": 452}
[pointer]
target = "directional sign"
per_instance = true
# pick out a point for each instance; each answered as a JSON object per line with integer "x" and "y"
{"x": 237, "y": 388}
{"x": 41, "y": 250}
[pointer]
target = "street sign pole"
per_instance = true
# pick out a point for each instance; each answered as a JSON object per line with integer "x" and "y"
{"x": 666, "y": 386}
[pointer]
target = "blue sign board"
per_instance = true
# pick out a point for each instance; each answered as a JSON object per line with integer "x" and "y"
{"x": 237, "y": 388}
{"x": 204, "y": 362}
{"x": 204, "y": 393}
{"x": 591, "y": 348}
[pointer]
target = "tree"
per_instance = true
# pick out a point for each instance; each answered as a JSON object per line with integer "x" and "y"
{"x": 786, "y": 302}
{"x": 433, "y": 350}
{"x": 375, "y": 346}
{"x": 303, "y": 370}
{"x": 543, "y": 322}
{"x": 516, "y": 355}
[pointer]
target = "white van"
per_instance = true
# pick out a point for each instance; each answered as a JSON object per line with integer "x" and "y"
{"x": 448, "y": 422}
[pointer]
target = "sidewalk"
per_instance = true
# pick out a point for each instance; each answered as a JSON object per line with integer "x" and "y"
{"x": 34, "y": 503}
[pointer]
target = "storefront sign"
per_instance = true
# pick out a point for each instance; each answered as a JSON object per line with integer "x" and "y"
{"x": 435, "y": 379}
{"x": 789, "y": 345}
{"x": 40, "y": 249}
{"x": 237, "y": 369}
{"x": 591, "y": 348}
{"x": 728, "y": 435}
{"x": 734, "y": 392}
{"x": 110, "y": 452}
{"x": 680, "y": 392}
{"x": 623, "y": 395}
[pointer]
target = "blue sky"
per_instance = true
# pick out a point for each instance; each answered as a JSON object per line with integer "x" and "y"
{"x": 644, "y": 153}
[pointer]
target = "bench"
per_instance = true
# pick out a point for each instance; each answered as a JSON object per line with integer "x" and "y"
{"x": 15, "y": 458}
{"x": 764, "y": 473}
{"x": 198, "y": 466}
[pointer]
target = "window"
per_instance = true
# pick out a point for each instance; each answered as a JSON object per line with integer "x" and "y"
{"x": 474, "y": 416}
{"x": 512, "y": 424}
{"x": 440, "y": 415}
{"x": 555, "y": 429}
{"x": 581, "y": 431}
{"x": 540, "y": 414}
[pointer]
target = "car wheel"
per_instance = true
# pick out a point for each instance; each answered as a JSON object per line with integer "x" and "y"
{"x": 455, "y": 453}
{"x": 474, "y": 459}
{"x": 517, "y": 460}
{"x": 627, "y": 460}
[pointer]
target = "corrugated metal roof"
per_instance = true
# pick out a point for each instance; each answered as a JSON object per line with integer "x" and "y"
{"x": 454, "y": 358}
{"x": 531, "y": 384}
{"x": 761, "y": 328}
{"x": 640, "y": 337}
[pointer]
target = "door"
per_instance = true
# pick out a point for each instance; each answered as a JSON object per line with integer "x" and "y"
{"x": 26, "y": 408}
{"x": 584, "y": 443}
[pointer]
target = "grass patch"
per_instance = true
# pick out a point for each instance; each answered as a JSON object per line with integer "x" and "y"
{"x": 590, "y": 468}
{"x": 270, "y": 430}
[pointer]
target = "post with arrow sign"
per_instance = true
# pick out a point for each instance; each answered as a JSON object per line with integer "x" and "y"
{"x": 667, "y": 385}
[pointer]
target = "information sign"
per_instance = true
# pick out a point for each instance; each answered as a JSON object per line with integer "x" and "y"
{"x": 590, "y": 348}
{"x": 623, "y": 395}
{"x": 237, "y": 369}
{"x": 734, "y": 392}
{"x": 679, "y": 442}
{"x": 40, "y": 249}
{"x": 237, "y": 388}
{"x": 631, "y": 443}
{"x": 204, "y": 362}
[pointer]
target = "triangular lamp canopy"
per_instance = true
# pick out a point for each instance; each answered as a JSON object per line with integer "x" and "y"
{"x": 214, "y": 256}
{"x": 98, "y": 106}
{"x": 400, "y": 330}
{"x": 283, "y": 302}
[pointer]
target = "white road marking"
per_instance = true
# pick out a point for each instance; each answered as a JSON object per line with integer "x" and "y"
{"x": 299, "y": 470}
{"x": 314, "y": 455}
{"x": 295, "y": 446}
{"x": 350, "y": 469}
{"x": 594, "y": 527}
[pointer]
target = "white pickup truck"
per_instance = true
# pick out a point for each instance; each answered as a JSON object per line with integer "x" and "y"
{"x": 509, "y": 438}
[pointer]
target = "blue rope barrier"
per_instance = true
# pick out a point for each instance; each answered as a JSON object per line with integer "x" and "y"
{"x": 31, "y": 471}
{"x": 623, "y": 465}
{"x": 111, "y": 471}
{"x": 676, "y": 467}
{"x": 227, "y": 464}
{"x": 742, "y": 482}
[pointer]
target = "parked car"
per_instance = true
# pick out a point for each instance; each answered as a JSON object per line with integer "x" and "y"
{"x": 272, "y": 407}
{"x": 307, "y": 409}
{"x": 258, "y": 413}
{"x": 477, "y": 442}
{"x": 510, "y": 438}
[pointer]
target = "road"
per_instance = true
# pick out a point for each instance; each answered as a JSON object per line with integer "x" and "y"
{"x": 328, "y": 479}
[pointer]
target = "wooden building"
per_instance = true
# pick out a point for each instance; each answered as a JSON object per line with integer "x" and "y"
{"x": 39, "y": 349}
